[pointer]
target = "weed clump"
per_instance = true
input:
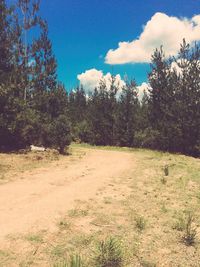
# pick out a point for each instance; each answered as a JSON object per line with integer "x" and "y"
{"x": 140, "y": 223}
{"x": 74, "y": 261}
{"x": 166, "y": 173}
{"x": 189, "y": 237}
{"x": 108, "y": 254}
{"x": 166, "y": 170}
{"x": 163, "y": 180}
{"x": 185, "y": 223}
{"x": 179, "y": 225}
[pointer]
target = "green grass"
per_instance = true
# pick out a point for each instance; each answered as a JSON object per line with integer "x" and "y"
{"x": 59, "y": 251}
{"x": 34, "y": 238}
{"x": 74, "y": 261}
{"x": 108, "y": 253}
{"x": 111, "y": 148}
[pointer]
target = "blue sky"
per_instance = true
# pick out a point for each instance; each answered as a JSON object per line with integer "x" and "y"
{"x": 83, "y": 31}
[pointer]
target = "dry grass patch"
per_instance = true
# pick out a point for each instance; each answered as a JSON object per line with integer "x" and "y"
{"x": 13, "y": 164}
{"x": 145, "y": 208}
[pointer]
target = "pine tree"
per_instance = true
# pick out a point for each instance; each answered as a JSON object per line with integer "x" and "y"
{"x": 77, "y": 105}
{"x": 127, "y": 115}
{"x": 187, "y": 98}
{"x": 6, "y": 44}
{"x": 43, "y": 70}
{"x": 30, "y": 97}
{"x": 96, "y": 116}
{"x": 30, "y": 19}
{"x": 9, "y": 101}
{"x": 162, "y": 101}
{"x": 112, "y": 109}
{"x": 174, "y": 100}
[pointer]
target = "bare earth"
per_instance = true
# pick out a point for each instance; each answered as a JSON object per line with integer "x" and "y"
{"x": 55, "y": 206}
{"x": 37, "y": 199}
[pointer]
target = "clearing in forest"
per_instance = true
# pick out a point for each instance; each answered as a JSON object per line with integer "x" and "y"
{"x": 55, "y": 206}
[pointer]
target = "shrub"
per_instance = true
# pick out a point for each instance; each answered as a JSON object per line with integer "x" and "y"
{"x": 81, "y": 132}
{"x": 59, "y": 133}
{"x": 147, "y": 138}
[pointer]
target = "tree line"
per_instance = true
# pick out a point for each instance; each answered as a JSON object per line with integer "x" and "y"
{"x": 167, "y": 118}
{"x": 35, "y": 108}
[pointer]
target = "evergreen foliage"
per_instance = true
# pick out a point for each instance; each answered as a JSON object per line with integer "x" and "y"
{"x": 167, "y": 118}
{"x": 33, "y": 105}
{"x": 36, "y": 109}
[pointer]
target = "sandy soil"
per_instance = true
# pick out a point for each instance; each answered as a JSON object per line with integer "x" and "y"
{"x": 37, "y": 199}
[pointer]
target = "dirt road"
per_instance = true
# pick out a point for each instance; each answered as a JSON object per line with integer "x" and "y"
{"x": 39, "y": 198}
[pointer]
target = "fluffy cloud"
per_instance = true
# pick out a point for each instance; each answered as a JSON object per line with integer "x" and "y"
{"x": 161, "y": 29}
{"x": 91, "y": 79}
{"x": 143, "y": 88}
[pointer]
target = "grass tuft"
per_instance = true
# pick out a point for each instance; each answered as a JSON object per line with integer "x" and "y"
{"x": 166, "y": 170}
{"x": 108, "y": 253}
{"x": 140, "y": 223}
{"x": 74, "y": 261}
{"x": 189, "y": 237}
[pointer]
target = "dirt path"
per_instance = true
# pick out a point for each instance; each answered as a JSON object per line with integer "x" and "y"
{"x": 38, "y": 201}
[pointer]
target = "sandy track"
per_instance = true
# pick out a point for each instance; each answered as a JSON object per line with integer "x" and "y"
{"x": 38, "y": 201}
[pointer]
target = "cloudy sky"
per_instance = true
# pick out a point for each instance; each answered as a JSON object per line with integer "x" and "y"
{"x": 94, "y": 38}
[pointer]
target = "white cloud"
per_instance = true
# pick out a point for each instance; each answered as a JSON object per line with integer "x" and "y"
{"x": 90, "y": 79}
{"x": 143, "y": 88}
{"x": 161, "y": 29}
